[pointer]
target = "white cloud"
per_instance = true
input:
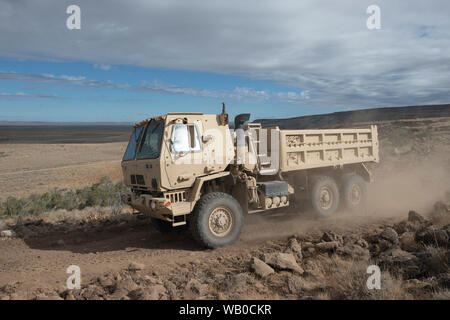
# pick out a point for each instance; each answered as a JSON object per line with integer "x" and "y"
{"x": 322, "y": 51}
{"x": 101, "y": 66}
{"x": 7, "y": 95}
{"x": 238, "y": 93}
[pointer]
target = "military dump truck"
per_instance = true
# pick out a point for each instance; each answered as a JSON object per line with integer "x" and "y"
{"x": 191, "y": 169}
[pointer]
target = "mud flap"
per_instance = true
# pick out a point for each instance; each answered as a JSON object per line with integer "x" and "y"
{"x": 240, "y": 193}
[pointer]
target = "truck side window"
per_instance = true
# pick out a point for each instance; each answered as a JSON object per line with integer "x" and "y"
{"x": 132, "y": 144}
{"x": 185, "y": 138}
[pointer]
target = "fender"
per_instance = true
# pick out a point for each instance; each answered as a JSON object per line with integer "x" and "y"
{"x": 194, "y": 195}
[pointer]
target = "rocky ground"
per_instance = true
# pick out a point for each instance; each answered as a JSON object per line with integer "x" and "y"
{"x": 413, "y": 255}
{"x": 405, "y": 230}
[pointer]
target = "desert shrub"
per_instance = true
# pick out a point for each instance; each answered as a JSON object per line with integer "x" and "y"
{"x": 347, "y": 280}
{"x": 101, "y": 194}
{"x": 426, "y": 133}
{"x": 12, "y": 206}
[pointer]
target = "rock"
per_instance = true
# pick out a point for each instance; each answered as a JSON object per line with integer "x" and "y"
{"x": 352, "y": 239}
{"x": 106, "y": 282}
{"x": 389, "y": 234}
{"x": 408, "y": 242}
{"x": 156, "y": 292}
{"x": 313, "y": 270}
{"x": 3, "y": 226}
{"x": 383, "y": 245}
{"x": 60, "y": 242}
{"x": 237, "y": 282}
{"x": 68, "y": 295}
{"x": 330, "y": 236}
{"x": 406, "y": 226}
{"x": 92, "y": 292}
{"x": 327, "y": 246}
{"x": 295, "y": 248}
{"x": 306, "y": 245}
{"x": 283, "y": 261}
{"x": 194, "y": 289}
{"x": 135, "y": 266}
{"x": 261, "y": 268}
{"x": 415, "y": 284}
{"x": 431, "y": 261}
{"x": 400, "y": 261}
{"x": 353, "y": 251}
{"x": 171, "y": 289}
{"x": 136, "y": 294}
{"x": 123, "y": 287}
{"x": 440, "y": 211}
{"x": 7, "y": 234}
{"x": 297, "y": 285}
{"x": 413, "y": 216}
{"x": 443, "y": 280}
{"x": 432, "y": 236}
{"x": 49, "y": 297}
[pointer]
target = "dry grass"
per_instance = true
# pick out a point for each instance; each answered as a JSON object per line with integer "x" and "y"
{"x": 346, "y": 279}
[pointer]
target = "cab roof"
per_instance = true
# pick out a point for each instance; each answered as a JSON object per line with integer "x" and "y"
{"x": 160, "y": 118}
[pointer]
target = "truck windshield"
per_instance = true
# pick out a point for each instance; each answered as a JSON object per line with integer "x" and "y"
{"x": 131, "y": 148}
{"x": 150, "y": 146}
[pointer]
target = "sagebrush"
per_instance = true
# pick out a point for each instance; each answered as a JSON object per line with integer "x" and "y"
{"x": 102, "y": 194}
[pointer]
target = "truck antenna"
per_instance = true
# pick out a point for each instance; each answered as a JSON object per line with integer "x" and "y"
{"x": 223, "y": 117}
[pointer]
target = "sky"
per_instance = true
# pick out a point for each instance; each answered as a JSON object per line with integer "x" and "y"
{"x": 275, "y": 59}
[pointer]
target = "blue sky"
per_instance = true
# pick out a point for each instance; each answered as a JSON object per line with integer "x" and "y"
{"x": 140, "y": 58}
{"x": 120, "y": 92}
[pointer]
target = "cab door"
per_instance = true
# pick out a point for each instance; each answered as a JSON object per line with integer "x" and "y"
{"x": 184, "y": 159}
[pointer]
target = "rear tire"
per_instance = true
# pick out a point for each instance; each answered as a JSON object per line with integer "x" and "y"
{"x": 354, "y": 192}
{"x": 217, "y": 220}
{"x": 324, "y": 196}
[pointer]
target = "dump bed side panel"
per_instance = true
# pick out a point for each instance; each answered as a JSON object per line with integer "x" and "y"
{"x": 306, "y": 149}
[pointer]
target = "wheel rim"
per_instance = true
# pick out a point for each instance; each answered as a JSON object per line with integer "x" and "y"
{"x": 220, "y": 221}
{"x": 355, "y": 194}
{"x": 326, "y": 198}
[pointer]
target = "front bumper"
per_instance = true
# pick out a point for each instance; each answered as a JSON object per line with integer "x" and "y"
{"x": 157, "y": 207}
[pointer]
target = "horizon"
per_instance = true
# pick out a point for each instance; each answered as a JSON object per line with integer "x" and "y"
{"x": 2, "y": 122}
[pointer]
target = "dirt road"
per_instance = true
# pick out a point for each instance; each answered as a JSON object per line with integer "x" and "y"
{"x": 40, "y": 263}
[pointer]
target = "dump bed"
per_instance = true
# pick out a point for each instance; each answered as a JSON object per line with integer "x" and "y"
{"x": 306, "y": 149}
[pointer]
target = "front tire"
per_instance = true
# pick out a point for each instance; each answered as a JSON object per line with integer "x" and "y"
{"x": 324, "y": 196}
{"x": 217, "y": 220}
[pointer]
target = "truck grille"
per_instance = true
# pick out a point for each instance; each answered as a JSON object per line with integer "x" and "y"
{"x": 173, "y": 197}
{"x": 137, "y": 179}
